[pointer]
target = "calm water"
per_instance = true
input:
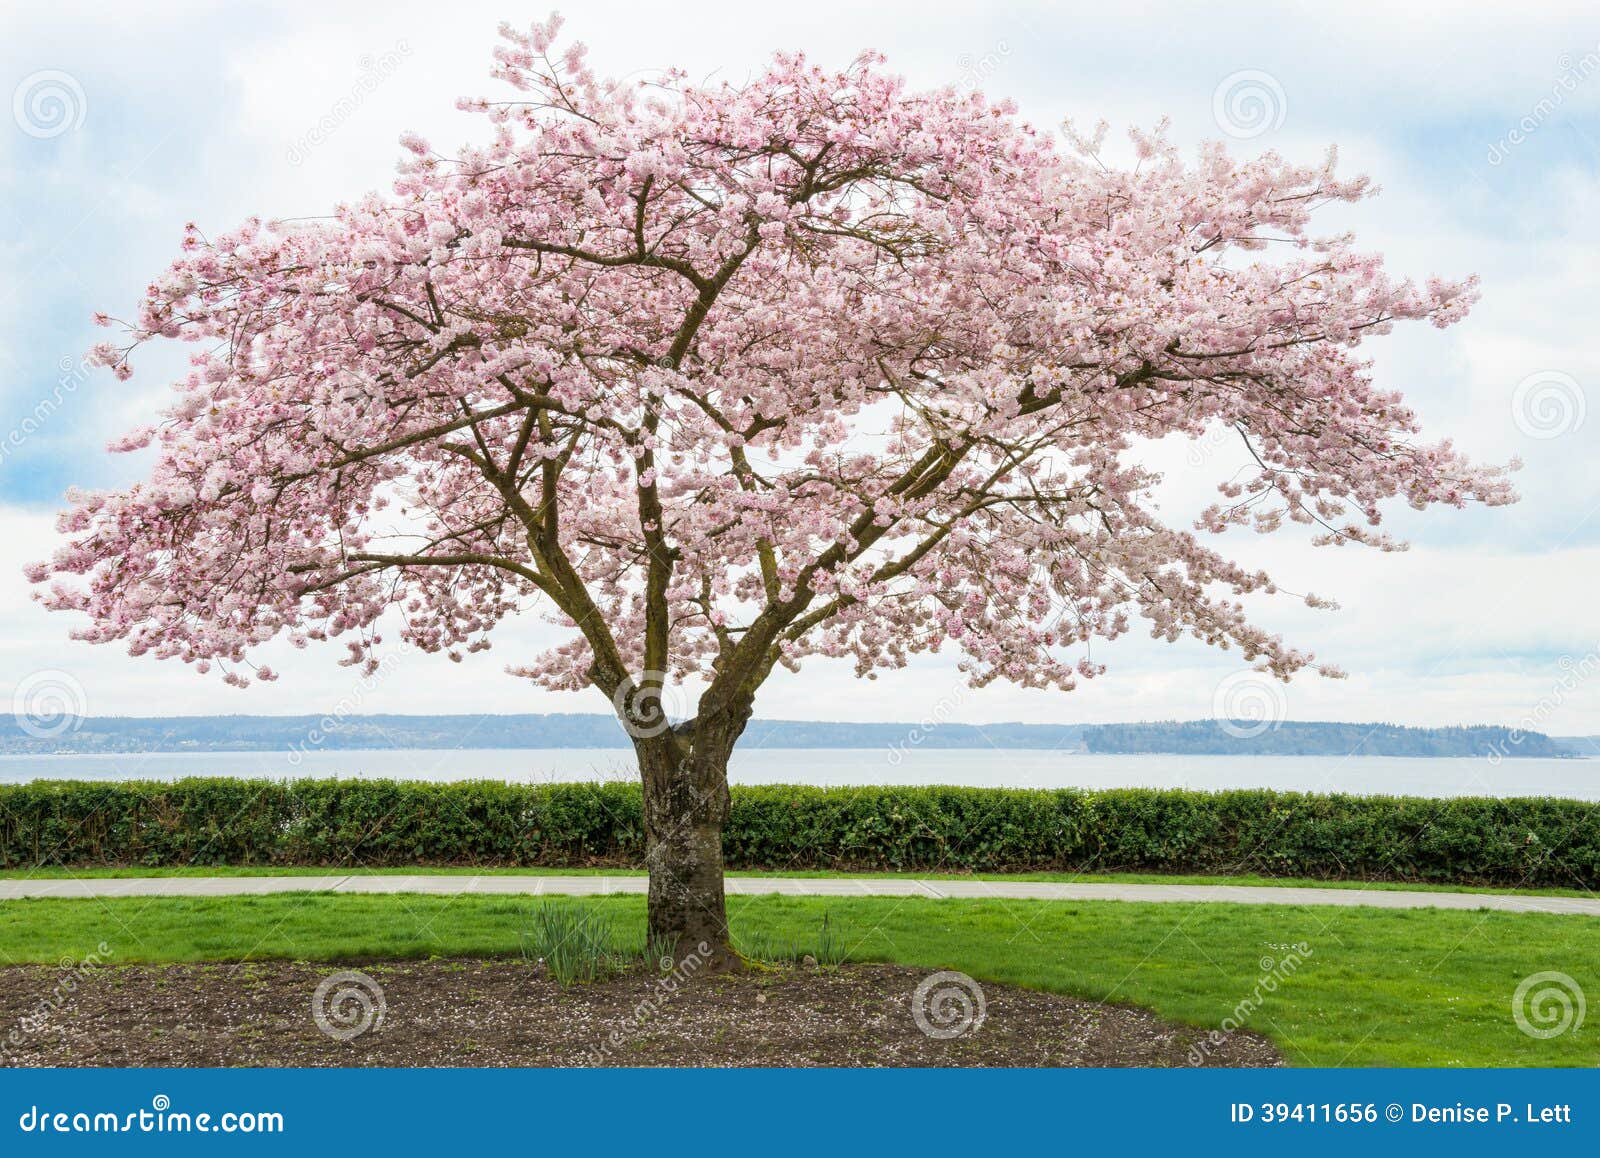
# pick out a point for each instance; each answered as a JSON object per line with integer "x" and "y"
{"x": 831, "y": 766}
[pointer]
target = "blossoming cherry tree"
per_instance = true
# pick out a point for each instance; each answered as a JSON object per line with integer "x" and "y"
{"x": 721, "y": 378}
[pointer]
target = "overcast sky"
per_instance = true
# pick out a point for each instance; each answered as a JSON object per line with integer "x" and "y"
{"x": 1480, "y": 124}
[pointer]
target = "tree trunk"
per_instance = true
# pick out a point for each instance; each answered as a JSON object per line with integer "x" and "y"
{"x": 685, "y": 775}
{"x": 687, "y": 908}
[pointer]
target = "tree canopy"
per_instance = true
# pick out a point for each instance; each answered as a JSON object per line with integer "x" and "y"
{"x": 722, "y": 377}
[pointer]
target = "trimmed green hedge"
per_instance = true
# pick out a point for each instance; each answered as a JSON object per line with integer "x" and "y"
{"x": 1530, "y": 842}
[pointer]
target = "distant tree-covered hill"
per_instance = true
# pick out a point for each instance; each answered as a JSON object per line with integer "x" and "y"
{"x": 1289, "y": 738}
{"x": 325, "y": 733}
{"x": 311, "y": 733}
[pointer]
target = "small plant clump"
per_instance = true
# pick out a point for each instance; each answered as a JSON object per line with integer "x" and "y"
{"x": 829, "y": 950}
{"x": 577, "y": 944}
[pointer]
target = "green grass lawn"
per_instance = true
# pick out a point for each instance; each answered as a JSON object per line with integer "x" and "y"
{"x": 1378, "y": 987}
{"x": 55, "y": 872}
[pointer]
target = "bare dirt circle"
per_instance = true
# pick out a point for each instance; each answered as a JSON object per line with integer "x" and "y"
{"x": 507, "y": 1013}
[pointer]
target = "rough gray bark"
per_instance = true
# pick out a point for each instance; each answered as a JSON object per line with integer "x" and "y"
{"x": 685, "y": 777}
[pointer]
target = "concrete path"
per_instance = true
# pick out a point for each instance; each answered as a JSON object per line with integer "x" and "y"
{"x": 16, "y": 889}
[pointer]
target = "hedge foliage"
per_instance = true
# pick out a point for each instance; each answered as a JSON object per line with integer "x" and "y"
{"x": 1531, "y": 842}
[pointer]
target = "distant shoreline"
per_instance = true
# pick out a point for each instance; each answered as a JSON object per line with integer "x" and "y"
{"x": 153, "y": 735}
